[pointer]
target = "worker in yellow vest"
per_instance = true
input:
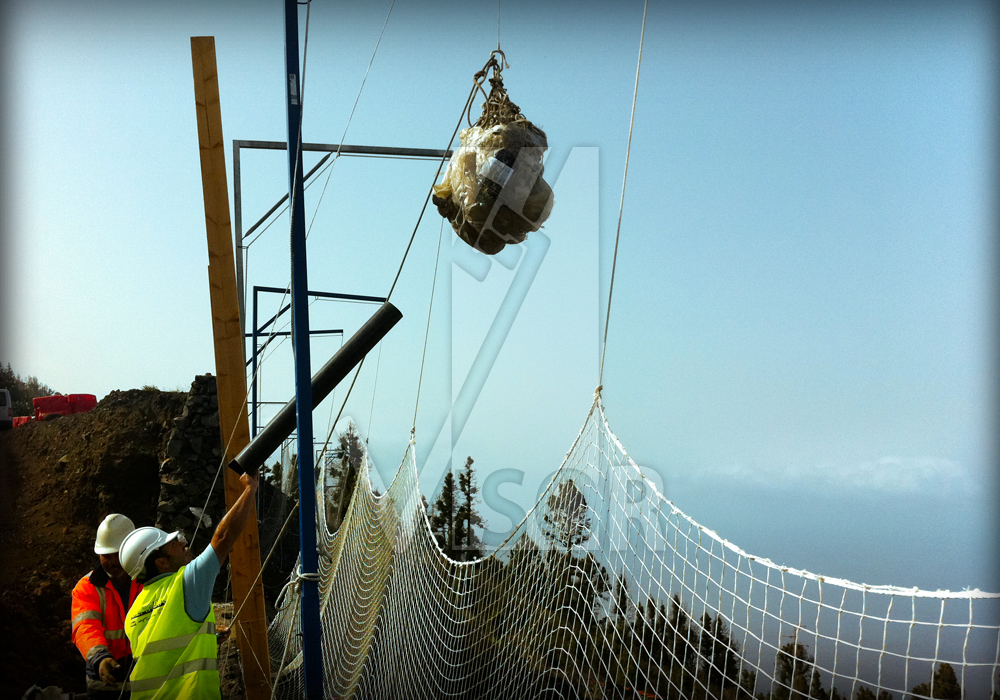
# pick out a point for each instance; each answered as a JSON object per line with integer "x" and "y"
{"x": 171, "y": 625}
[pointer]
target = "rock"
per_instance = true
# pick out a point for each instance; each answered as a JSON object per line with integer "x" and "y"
{"x": 211, "y": 421}
{"x": 174, "y": 447}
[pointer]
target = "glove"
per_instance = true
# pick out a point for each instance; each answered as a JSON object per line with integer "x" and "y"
{"x": 108, "y": 670}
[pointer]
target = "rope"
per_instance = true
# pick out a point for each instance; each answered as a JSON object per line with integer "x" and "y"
{"x": 329, "y": 435}
{"x": 297, "y": 578}
{"x": 232, "y": 433}
{"x": 329, "y": 170}
{"x": 477, "y": 80}
{"x": 357, "y": 99}
{"x": 333, "y": 394}
{"x": 427, "y": 331}
{"x": 267, "y": 559}
{"x": 284, "y": 655}
{"x": 371, "y": 411}
{"x": 621, "y": 207}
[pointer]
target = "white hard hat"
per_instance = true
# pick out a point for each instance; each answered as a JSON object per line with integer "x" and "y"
{"x": 139, "y": 544}
{"x": 110, "y": 533}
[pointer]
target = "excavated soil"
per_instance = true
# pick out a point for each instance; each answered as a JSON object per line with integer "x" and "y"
{"x": 58, "y": 479}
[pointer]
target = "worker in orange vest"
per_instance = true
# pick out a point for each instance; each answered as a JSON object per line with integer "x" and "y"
{"x": 101, "y": 600}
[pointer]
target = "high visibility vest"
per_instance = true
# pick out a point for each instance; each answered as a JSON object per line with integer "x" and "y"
{"x": 98, "y": 615}
{"x": 175, "y": 656}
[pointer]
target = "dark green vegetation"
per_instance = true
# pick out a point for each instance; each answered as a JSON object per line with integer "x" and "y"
{"x": 22, "y": 391}
{"x": 347, "y": 455}
{"x": 455, "y": 516}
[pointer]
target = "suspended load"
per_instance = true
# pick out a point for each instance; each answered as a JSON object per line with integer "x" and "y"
{"x": 493, "y": 192}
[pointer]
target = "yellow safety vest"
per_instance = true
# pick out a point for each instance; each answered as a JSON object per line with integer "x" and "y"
{"x": 175, "y": 656}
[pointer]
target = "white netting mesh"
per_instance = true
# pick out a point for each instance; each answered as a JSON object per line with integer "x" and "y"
{"x": 607, "y": 590}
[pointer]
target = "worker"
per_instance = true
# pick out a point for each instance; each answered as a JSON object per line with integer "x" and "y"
{"x": 172, "y": 625}
{"x": 101, "y": 600}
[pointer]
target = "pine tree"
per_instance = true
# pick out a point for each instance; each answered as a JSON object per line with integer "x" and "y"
{"x": 467, "y": 544}
{"x": 945, "y": 685}
{"x": 347, "y": 456}
{"x": 720, "y": 660}
{"x": 273, "y": 475}
{"x": 566, "y": 522}
{"x": 796, "y": 674}
{"x": 623, "y": 601}
{"x": 443, "y": 514}
{"x": 683, "y": 665}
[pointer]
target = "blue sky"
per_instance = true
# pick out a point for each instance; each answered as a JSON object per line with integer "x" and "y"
{"x": 801, "y": 340}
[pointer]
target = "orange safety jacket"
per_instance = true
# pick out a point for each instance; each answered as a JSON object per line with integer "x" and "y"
{"x": 99, "y": 616}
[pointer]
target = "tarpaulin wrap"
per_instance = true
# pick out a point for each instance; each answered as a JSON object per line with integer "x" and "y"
{"x": 493, "y": 192}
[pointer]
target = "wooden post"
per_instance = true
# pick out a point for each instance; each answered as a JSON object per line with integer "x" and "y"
{"x": 244, "y": 561}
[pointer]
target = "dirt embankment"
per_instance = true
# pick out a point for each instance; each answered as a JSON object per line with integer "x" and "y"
{"x": 58, "y": 479}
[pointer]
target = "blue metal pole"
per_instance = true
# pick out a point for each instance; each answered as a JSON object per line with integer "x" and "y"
{"x": 312, "y": 655}
{"x": 253, "y": 381}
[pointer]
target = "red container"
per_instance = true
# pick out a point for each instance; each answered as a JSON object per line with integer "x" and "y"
{"x": 51, "y": 404}
{"x": 21, "y": 420}
{"x": 81, "y": 403}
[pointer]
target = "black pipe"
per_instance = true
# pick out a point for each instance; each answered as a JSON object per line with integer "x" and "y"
{"x": 332, "y": 373}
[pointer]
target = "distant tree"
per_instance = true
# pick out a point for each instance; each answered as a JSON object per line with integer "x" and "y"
{"x": 22, "y": 391}
{"x": 720, "y": 654}
{"x": 575, "y": 584}
{"x": 292, "y": 477}
{"x": 468, "y": 546}
{"x": 525, "y": 567}
{"x": 864, "y": 694}
{"x": 582, "y": 586}
{"x": 944, "y": 684}
{"x": 683, "y": 648}
{"x": 347, "y": 457}
{"x": 272, "y": 475}
{"x": 748, "y": 683}
{"x": 566, "y": 522}
{"x": 796, "y": 674}
{"x": 623, "y": 607}
{"x": 442, "y": 516}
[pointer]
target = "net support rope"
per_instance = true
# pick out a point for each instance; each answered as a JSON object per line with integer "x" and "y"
{"x": 621, "y": 206}
{"x": 607, "y": 590}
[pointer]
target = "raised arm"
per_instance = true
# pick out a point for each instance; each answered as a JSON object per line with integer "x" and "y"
{"x": 231, "y": 526}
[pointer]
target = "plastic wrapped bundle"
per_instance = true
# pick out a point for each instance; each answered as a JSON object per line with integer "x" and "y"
{"x": 493, "y": 192}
